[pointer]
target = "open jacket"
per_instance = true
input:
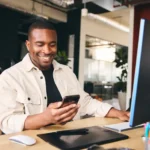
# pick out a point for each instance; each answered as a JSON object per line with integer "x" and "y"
{"x": 23, "y": 93}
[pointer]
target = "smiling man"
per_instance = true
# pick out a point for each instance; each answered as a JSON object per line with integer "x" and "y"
{"x": 31, "y": 91}
{"x": 42, "y": 45}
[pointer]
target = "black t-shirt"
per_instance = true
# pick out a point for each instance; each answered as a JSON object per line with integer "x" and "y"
{"x": 52, "y": 91}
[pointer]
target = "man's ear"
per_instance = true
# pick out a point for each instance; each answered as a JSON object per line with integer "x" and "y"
{"x": 27, "y": 45}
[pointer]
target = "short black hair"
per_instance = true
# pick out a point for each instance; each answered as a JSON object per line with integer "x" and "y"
{"x": 40, "y": 24}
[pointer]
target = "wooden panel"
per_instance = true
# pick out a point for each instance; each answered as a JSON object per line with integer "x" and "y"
{"x": 141, "y": 11}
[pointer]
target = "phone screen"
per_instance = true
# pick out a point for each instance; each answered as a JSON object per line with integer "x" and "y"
{"x": 70, "y": 100}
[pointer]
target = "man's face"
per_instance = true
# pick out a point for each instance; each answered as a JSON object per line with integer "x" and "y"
{"x": 42, "y": 46}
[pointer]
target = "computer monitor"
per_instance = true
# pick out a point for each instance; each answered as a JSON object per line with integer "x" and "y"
{"x": 140, "y": 103}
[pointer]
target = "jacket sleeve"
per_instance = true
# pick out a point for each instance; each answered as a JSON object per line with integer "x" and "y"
{"x": 12, "y": 115}
{"x": 92, "y": 107}
{"x": 88, "y": 105}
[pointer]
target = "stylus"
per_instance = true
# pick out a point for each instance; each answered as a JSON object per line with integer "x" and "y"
{"x": 74, "y": 131}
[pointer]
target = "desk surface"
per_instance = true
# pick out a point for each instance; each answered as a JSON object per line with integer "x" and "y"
{"x": 134, "y": 141}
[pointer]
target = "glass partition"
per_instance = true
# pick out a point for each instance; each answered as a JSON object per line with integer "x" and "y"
{"x": 100, "y": 71}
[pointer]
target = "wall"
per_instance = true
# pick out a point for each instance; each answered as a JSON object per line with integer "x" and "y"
{"x": 27, "y": 6}
{"x": 100, "y": 30}
{"x": 130, "y": 55}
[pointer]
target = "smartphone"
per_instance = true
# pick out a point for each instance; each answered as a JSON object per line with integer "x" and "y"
{"x": 70, "y": 99}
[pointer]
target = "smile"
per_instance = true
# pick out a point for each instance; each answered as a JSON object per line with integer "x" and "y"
{"x": 47, "y": 57}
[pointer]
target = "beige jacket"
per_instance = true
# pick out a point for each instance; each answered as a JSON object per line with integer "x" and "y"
{"x": 23, "y": 93}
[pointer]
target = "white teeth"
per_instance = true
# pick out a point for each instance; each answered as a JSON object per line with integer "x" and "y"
{"x": 45, "y": 57}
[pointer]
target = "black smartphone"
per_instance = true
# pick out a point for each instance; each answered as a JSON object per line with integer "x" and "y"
{"x": 70, "y": 99}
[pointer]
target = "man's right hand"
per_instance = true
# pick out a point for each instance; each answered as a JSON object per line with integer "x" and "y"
{"x": 54, "y": 114}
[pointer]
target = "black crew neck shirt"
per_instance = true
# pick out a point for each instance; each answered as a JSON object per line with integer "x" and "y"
{"x": 53, "y": 94}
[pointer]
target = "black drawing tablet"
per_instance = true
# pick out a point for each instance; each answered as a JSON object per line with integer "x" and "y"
{"x": 77, "y": 140}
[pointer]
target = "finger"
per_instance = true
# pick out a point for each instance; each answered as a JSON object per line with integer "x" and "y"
{"x": 57, "y": 113}
{"x": 69, "y": 113}
{"x": 124, "y": 118}
{"x": 66, "y": 115}
{"x": 128, "y": 114}
{"x": 67, "y": 118}
{"x": 65, "y": 109}
{"x": 55, "y": 105}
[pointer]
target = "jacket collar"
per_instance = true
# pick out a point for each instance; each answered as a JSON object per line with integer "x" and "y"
{"x": 29, "y": 65}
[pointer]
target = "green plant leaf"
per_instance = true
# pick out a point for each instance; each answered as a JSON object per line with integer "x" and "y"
{"x": 121, "y": 59}
{"x": 62, "y": 57}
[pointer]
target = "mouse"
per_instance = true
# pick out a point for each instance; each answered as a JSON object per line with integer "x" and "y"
{"x": 23, "y": 139}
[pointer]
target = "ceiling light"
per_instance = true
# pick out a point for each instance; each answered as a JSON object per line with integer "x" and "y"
{"x": 84, "y": 12}
{"x": 42, "y": 16}
{"x": 63, "y": 3}
{"x": 109, "y": 21}
{"x": 69, "y": 2}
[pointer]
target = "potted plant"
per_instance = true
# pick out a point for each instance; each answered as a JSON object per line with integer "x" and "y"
{"x": 62, "y": 57}
{"x": 121, "y": 86}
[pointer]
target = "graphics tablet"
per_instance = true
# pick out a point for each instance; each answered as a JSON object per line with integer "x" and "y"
{"x": 81, "y": 138}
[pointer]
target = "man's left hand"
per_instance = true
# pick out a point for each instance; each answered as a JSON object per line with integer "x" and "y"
{"x": 122, "y": 115}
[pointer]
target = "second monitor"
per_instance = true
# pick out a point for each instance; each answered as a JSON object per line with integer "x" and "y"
{"x": 140, "y": 103}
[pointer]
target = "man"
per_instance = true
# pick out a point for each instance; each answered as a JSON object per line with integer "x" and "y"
{"x": 32, "y": 90}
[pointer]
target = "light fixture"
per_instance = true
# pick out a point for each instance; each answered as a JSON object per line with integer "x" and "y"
{"x": 62, "y": 3}
{"x": 109, "y": 21}
{"x": 42, "y": 16}
{"x": 84, "y": 11}
{"x": 69, "y": 2}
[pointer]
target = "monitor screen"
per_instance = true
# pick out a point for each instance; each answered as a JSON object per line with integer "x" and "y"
{"x": 140, "y": 102}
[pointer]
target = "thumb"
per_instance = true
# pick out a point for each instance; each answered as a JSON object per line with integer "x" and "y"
{"x": 55, "y": 105}
{"x": 128, "y": 114}
{"x": 124, "y": 118}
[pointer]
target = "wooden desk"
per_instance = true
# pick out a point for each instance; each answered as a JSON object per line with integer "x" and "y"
{"x": 134, "y": 141}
